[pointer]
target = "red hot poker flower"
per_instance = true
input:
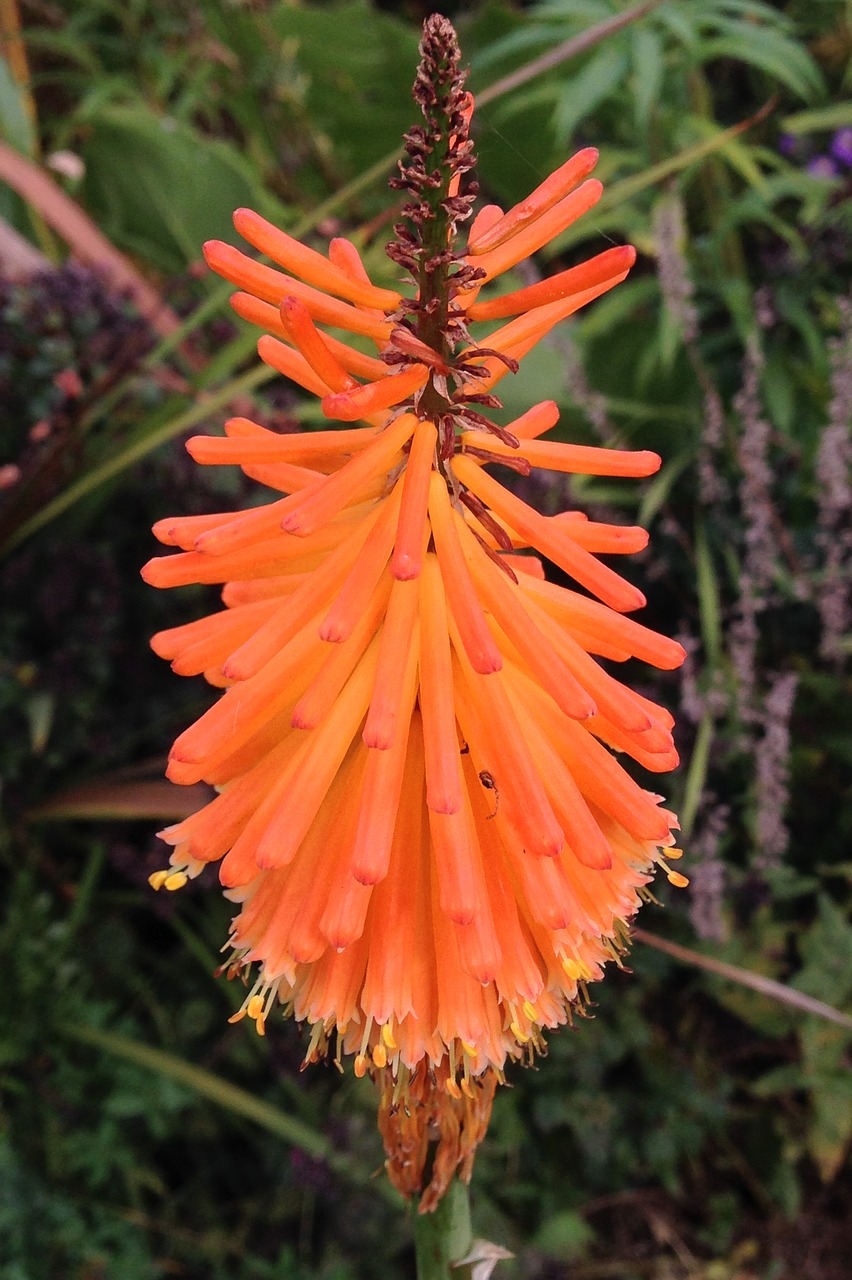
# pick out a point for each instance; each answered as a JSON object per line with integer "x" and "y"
{"x": 432, "y": 847}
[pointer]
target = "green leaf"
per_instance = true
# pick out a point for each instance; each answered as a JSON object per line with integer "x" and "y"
{"x": 360, "y": 65}
{"x": 834, "y": 117}
{"x": 159, "y": 188}
{"x": 16, "y": 128}
{"x": 781, "y": 59}
{"x": 584, "y": 92}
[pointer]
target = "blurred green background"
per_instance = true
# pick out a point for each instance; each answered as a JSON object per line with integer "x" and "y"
{"x": 696, "y": 1128}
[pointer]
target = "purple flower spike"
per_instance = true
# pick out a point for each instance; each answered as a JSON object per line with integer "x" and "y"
{"x": 841, "y": 146}
{"x": 822, "y": 167}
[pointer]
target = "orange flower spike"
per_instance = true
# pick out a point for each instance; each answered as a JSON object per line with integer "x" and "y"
{"x": 429, "y": 841}
{"x": 309, "y": 265}
{"x": 304, "y": 334}
{"x": 408, "y": 549}
{"x": 549, "y": 193}
{"x": 466, "y": 610}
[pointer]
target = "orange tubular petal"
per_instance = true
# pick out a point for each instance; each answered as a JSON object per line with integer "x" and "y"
{"x": 244, "y": 709}
{"x": 212, "y": 649}
{"x": 297, "y": 609}
{"x": 540, "y": 418}
{"x": 169, "y": 644}
{"x": 614, "y": 700}
{"x": 182, "y": 531}
{"x": 602, "y": 539}
{"x": 551, "y": 542}
{"x": 505, "y": 602}
{"x": 383, "y": 780}
{"x": 365, "y": 573}
{"x": 549, "y": 193}
{"x": 597, "y": 773}
{"x": 313, "y": 769}
{"x": 292, "y": 364}
{"x": 539, "y": 232}
{"x": 408, "y": 548}
{"x": 440, "y": 735}
{"x": 323, "y": 450}
{"x": 552, "y": 455}
{"x": 271, "y": 286}
{"x": 372, "y": 463}
{"x": 250, "y": 527}
{"x": 606, "y": 266}
{"x": 399, "y": 636}
{"x": 268, "y": 317}
{"x": 309, "y": 265}
{"x": 574, "y": 611}
{"x": 401, "y": 959}
{"x": 266, "y": 559}
{"x": 499, "y": 748}
{"x": 479, "y": 644}
{"x": 304, "y": 334}
{"x": 349, "y": 406}
{"x": 316, "y": 702}
{"x": 584, "y": 838}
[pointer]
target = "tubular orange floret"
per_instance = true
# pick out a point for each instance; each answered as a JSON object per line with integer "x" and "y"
{"x": 532, "y": 237}
{"x": 267, "y": 316}
{"x": 608, "y": 267}
{"x": 547, "y": 538}
{"x": 408, "y": 547}
{"x": 271, "y": 286}
{"x": 311, "y": 266}
{"x": 398, "y": 640}
{"x": 582, "y": 459}
{"x": 373, "y": 463}
{"x": 349, "y": 406}
{"x": 478, "y": 642}
{"x": 546, "y": 195}
{"x": 440, "y": 734}
{"x": 304, "y": 334}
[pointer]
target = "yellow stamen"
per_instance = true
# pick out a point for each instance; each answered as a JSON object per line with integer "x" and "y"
{"x": 175, "y": 880}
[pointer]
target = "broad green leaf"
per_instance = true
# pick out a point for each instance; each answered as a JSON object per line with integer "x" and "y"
{"x": 160, "y": 189}
{"x": 360, "y": 64}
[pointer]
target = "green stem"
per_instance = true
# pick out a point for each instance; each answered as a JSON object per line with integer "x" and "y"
{"x": 443, "y": 1237}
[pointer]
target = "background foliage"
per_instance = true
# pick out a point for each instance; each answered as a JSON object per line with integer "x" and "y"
{"x": 695, "y": 1129}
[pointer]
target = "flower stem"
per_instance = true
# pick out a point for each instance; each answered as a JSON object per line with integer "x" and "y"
{"x": 443, "y": 1237}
